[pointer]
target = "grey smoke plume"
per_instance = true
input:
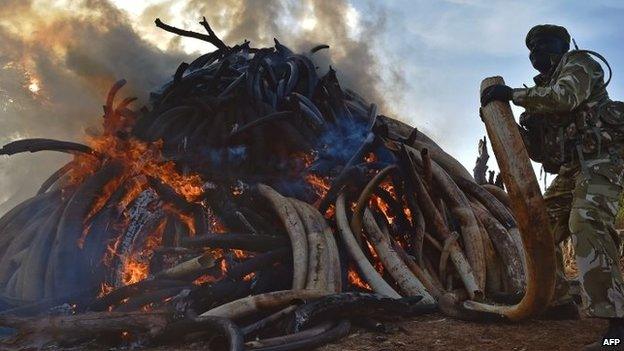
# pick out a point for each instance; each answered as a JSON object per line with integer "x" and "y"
{"x": 75, "y": 52}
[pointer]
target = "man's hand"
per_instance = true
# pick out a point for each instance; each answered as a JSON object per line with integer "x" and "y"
{"x": 497, "y": 92}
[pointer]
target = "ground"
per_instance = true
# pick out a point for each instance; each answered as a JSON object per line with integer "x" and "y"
{"x": 437, "y": 332}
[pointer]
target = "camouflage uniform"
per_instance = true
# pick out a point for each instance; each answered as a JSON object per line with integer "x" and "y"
{"x": 573, "y": 128}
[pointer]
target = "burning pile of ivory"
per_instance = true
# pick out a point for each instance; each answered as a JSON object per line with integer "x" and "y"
{"x": 251, "y": 199}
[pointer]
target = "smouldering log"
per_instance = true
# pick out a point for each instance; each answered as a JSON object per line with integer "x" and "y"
{"x": 147, "y": 298}
{"x": 116, "y": 296}
{"x": 72, "y": 329}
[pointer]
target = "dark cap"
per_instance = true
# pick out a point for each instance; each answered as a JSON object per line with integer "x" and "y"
{"x": 549, "y": 30}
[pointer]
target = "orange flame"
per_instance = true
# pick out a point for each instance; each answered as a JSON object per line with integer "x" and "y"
{"x": 355, "y": 280}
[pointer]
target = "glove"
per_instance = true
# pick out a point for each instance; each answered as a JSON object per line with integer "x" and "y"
{"x": 496, "y": 92}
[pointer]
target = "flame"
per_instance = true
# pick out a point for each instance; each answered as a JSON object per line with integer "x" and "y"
{"x": 205, "y": 279}
{"x": 383, "y": 207}
{"x": 140, "y": 160}
{"x": 134, "y": 270}
{"x": 377, "y": 262}
{"x": 355, "y": 280}
{"x": 370, "y": 157}
{"x": 249, "y": 276}
{"x": 136, "y": 264}
{"x": 320, "y": 184}
{"x": 105, "y": 288}
{"x": 184, "y": 217}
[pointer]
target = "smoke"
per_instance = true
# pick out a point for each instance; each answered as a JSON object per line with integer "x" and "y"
{"x": 57, "y": 63}
{"x": 60, "y": 57}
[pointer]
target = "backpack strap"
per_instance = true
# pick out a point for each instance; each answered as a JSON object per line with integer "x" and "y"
{"x": 601, "y": 58}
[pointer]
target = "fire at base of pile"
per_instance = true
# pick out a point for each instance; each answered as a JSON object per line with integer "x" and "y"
{"x": 252, "y": 199}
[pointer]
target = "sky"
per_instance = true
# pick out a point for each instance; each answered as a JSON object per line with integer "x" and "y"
{"x": 422, "y": 61}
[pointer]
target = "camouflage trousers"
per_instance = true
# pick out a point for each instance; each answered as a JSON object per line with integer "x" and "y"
{"x": 582, "y": 205}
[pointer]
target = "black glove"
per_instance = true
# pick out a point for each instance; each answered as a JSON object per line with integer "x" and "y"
{"x": 498, "y": 92}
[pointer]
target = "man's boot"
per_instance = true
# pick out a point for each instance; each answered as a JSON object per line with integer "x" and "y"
{"x": 613, "y": 339}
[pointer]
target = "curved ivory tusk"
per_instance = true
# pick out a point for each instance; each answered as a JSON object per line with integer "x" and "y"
{"x": 296, "y": 231}
{"x": 320, "y": 270}
{"x": 460, "y": 207}
{"x": 367, "y": 270}
{"x": 362, "y": 202}
{"x": 528, "y": 207}
{"x": 263, "y": 302}
{"x": 504, "y": 243}
{"x": 393, "y": 263}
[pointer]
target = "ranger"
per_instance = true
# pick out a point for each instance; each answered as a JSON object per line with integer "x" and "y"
{"x": 574, "y": 130}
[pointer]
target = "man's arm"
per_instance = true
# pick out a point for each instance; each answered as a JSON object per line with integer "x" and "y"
{"x": 574, "y": 85}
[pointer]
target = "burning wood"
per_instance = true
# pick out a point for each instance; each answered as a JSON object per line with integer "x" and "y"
{"x": 200, "y": 205}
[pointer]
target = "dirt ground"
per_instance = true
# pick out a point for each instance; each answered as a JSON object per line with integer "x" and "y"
{"x": 439, "y": 333}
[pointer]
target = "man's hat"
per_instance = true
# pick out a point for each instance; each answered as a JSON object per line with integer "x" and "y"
{"x": 550, "y": 30}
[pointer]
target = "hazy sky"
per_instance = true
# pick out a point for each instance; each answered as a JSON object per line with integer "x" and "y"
{"x": 431, "y": 55}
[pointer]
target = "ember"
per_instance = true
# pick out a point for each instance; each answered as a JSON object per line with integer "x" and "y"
{"x": 199, "y": 204}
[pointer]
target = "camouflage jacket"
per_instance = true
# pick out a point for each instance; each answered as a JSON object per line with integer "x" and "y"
{"x": 569, "y": 115}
